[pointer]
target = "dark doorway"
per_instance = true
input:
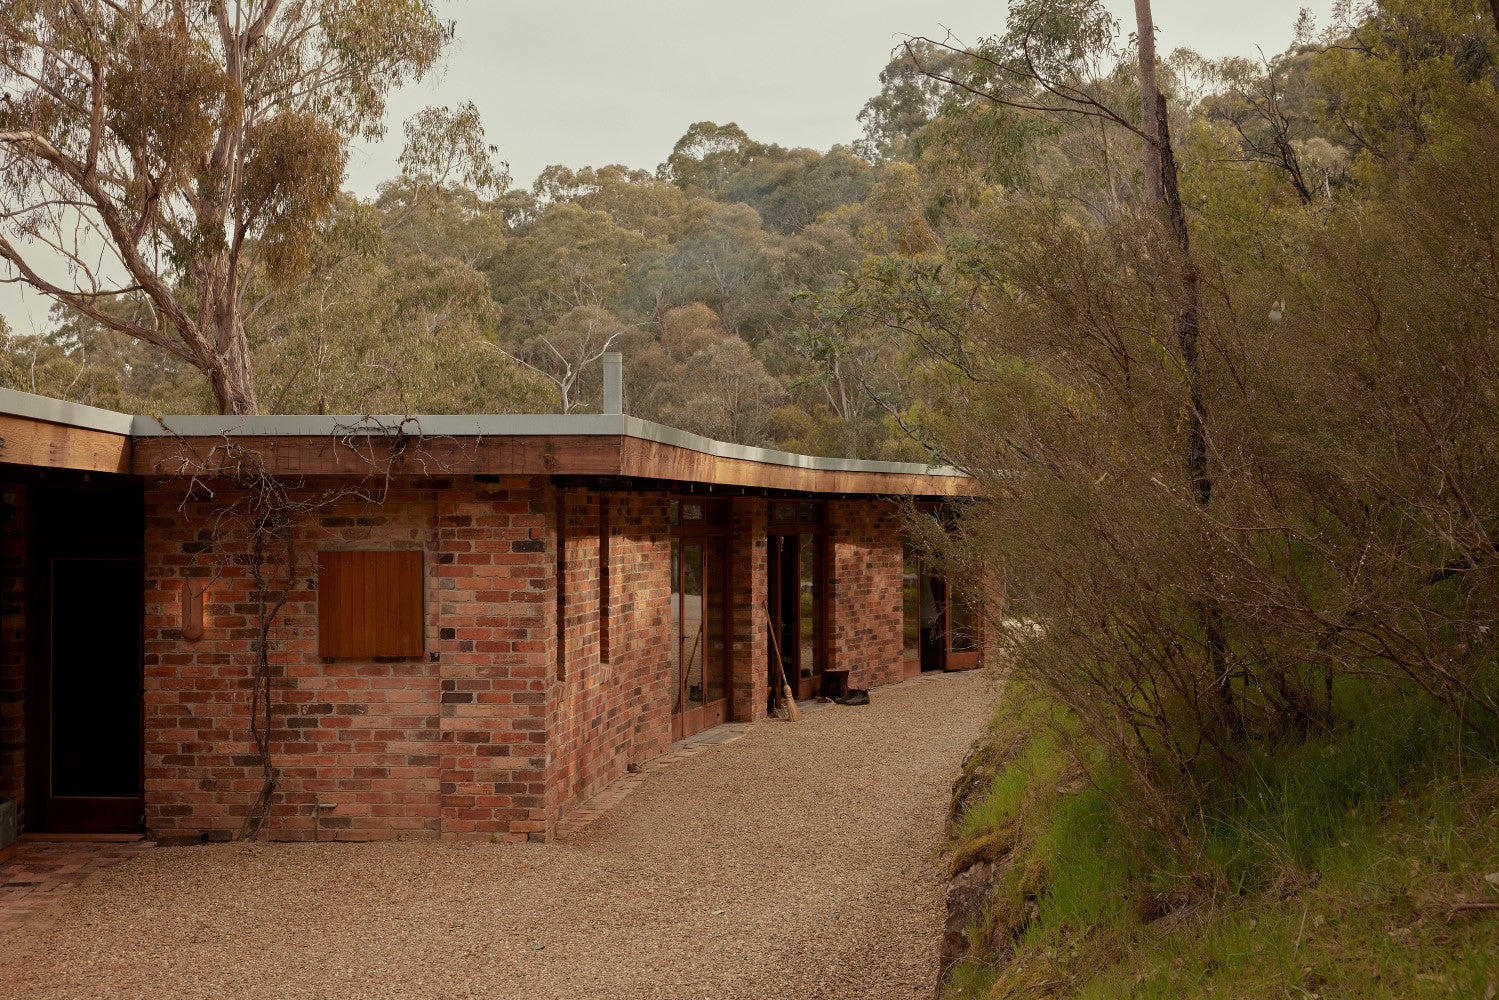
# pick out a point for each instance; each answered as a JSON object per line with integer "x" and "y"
{"x": 796, "y": 599}
{"x": 84, "y": 689}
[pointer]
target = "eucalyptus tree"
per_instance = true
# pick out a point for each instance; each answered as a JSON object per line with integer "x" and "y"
{"x": 725, "y": 393}
{"x": 1050, "y": 340}
{"x": 166, "y": 164}
{"x": 635, "y": 199}
{"x": 909, "y": 100}
{"x": 707, "y": 155}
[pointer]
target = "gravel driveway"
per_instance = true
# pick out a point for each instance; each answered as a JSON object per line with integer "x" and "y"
{"x": 798, "y": 861}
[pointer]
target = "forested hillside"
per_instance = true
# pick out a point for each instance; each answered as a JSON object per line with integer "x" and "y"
{"x": 789, "y": 296}
{"x": 754, "y": 289}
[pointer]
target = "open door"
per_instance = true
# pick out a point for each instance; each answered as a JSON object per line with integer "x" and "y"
{"x": 699, "y": 619}
{"x": 84, "y": 749}
{"x": 796, "y": 598}
{"x": 941, "y": 631}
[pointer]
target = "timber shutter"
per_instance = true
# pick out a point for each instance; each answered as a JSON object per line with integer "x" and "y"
{"x": 370, "y": 604}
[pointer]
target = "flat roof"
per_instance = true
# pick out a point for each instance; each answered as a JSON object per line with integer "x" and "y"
{"x": 598, "y": 444}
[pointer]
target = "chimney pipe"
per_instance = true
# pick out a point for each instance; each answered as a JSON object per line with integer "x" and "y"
{"x": 614, "y": 382}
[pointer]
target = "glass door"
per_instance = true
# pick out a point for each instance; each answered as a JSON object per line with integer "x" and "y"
{"x": 796, "y": 600}
{"x": 699, "y": 621}
{"x": 688, "y": 625}
{"x": 941, "y": 631}
{"x": 963, "y": 639}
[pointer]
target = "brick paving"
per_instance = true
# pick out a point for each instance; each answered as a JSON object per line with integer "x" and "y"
{"x": 41, "y": 872}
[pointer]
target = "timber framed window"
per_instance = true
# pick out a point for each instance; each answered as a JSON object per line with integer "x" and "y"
{"x": 370, "y": 604}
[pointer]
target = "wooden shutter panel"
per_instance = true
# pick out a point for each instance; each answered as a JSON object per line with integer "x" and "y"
{"x": 370, "y": 604}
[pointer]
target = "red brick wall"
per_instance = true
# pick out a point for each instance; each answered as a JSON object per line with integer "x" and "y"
{"x": 864, "y": 619}
{"x": 747, "y": 586}
{"x": 452, "y": 743}
{"x": 608, "y": 714}
{"x": 491, "y": 733}
{"x": 497, "y": 627}
{"x": 13, "y": 644}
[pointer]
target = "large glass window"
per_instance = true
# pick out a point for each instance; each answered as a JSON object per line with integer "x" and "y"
{"x": 964, "y": 633}
{"x": 941, "y": 629}
{"x": 716, "y": 620}
{"x": 810, "y": 626}
{"x": 688, "y": 610}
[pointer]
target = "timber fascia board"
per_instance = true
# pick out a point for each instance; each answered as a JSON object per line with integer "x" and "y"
{"x": 596, "y": 444}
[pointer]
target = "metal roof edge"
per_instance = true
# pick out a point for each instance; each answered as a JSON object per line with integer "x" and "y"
{"x": 664, "y": 434}
{"x": 420, "y": 425}
{"x": 59, "y": 411}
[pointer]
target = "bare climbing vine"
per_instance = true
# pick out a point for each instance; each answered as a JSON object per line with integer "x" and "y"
{"x": 268, "y": 510}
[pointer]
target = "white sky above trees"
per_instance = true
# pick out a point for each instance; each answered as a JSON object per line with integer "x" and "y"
{"x": 593, "y": 82}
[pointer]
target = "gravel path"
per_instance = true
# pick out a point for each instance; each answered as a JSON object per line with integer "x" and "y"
{"x": 798, "y": 861}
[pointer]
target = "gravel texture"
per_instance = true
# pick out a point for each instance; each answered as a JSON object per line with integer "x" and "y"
{"x": 801, "y": 860}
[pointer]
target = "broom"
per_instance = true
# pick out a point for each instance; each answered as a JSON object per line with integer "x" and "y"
{"x": 793, "y": 714}
{"x": 687, "y": 667}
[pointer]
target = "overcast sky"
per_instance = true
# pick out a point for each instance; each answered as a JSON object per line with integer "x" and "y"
{"x": 592, "y": 82}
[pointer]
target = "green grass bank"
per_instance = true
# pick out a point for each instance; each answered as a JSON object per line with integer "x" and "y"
{"x": 1361, "y": 861}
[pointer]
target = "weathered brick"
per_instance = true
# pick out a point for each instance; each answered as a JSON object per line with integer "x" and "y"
{"x": 505, "y": 723}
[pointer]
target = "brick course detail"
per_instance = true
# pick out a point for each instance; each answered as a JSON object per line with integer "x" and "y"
{"x": 452, "y": 743}
{"x": 607, "y": 715}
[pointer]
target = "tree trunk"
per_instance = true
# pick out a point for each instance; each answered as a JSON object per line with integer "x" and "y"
{"x": 1199, "y": 479}
{"x": 1149, "y": 98}
{"x": 1162, "y": 188}
{"x": 230, "y": 372}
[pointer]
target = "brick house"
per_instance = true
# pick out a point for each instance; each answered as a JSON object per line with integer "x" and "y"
{"x": 475, "y": 623}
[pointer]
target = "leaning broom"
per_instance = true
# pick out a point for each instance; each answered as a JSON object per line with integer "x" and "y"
{"x": 793, "y": 714}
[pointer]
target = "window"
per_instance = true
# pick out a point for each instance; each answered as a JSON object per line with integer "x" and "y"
{"x": 370, "y": 604}
{"x": 699, "y": 513}
{"x": 700, "y": 615}
{"x": 809, "y": 513}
